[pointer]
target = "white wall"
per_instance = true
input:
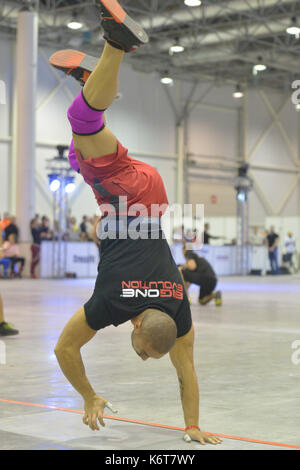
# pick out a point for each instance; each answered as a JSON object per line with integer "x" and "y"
{"x": 144, "y": 122}
{"x": 273, "y": 141}
{"x": 269, "y": 142}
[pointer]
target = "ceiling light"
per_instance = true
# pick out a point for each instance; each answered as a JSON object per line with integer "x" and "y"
{"x": 294, "y": 29}
{"x": 166, "y": 80}
{"x": 238, "y": 92}
{"x": 176, "y": 49}
{"x": 73, "y": 24}
{"x": 193, "y": 3}
{"x": 259, "y": 67}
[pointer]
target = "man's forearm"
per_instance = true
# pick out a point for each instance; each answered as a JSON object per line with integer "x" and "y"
{"x": 71, "y": 364}
{"x": 189, "y": 392}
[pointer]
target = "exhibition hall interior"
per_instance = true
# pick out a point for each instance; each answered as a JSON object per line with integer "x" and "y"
{"x": 199, "y": 106}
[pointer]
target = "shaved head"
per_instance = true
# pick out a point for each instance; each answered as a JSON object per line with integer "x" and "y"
{"x": 159, "y": 331}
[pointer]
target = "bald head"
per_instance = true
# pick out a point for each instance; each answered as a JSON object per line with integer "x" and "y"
{"x": 160, "y": 330}
{"x": 156, "y": 334}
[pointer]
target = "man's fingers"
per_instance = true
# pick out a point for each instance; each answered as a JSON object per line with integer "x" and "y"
{"x": 94, "y": 422}
{"x": 215, "y": 440}
{"x": 211, "y": 440}
{"x": 85, "y": 419}
{"x": 101, "y": 420}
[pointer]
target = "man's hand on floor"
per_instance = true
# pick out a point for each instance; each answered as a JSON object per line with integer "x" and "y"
{"x": 94, "y": 409}
{"x": 200, "y": 436}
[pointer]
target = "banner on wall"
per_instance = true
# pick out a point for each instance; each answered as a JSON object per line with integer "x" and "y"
{"x": 82, "y": 259}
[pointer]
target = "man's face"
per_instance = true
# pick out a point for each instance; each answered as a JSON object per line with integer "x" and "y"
{"x": 142, "y": 348}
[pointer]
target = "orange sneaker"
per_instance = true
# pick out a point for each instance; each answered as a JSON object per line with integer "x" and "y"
{"x": 75, "y": 63}
{"x": 120, "y": 30}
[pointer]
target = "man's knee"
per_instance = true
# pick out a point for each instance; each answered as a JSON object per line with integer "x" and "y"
{"x": 84, "y": 119}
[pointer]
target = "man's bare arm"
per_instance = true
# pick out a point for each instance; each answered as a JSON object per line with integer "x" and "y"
{"x": 75, "y": 334}
{"x": 182, "y": 357}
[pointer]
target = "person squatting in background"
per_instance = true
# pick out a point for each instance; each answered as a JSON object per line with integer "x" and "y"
{"x": 198, "y": 271}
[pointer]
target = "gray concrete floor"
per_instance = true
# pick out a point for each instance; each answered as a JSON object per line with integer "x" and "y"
{"x": 248, "y": 383}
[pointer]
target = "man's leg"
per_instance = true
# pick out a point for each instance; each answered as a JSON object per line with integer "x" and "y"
{"x": 5, "y": 328}
{"x": 12, "y": 266}
{"x": 271, "y": 261}
{"x": 35, "y": 251}
{"x": 101, "y": 88}
{"x": 122, "y": 34}
{"x": 21, "y": 262}
{"x": 207, "y": 292}
{"x": 99, "y": 93}
{"x": 1, "y": 311}
{"x": 277, "y": 270}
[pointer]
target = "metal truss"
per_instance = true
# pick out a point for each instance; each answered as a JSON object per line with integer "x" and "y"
{"x": 222, "y": 39}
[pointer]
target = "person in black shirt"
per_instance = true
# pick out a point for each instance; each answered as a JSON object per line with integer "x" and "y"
{"x": 272, "y": 241}
{"x": 207, "y": 237}
{"x": 45, "y": 231}
{"x": 198, "y": 271}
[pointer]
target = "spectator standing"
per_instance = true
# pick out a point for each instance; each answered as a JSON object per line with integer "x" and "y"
{"x": 83, "y": 229}
{"x": 35, "y": 247}
{"x": 73, "y": 229}
{"x": 45, "y": 232}
{"x": 272, "y": 241}
{"x": 207, "y": 236}
{"x": 256, "y": 237}
{"x": 290, "y": 248}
